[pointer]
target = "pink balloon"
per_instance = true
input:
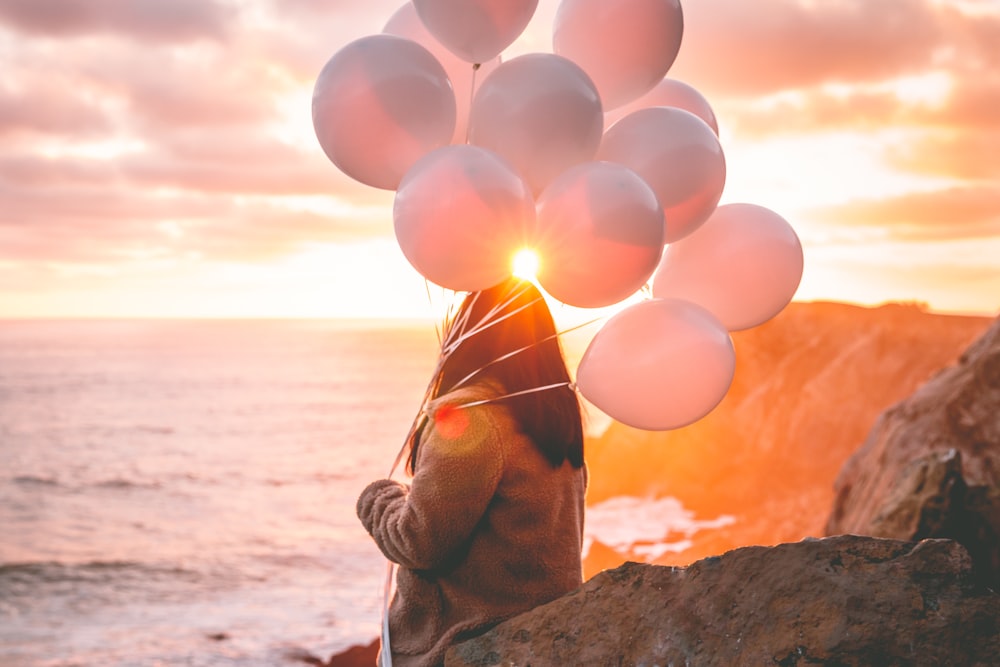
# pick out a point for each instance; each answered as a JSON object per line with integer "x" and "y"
{"x": 379, "y": 104}
{"x": 626, "y": 46}
{"x": 744, "y": 265}
{"x": 541, "y": 112}
{"x": 460, "y": 214}
{"x": 659, "y": 364}
{"x": 600, "y": 235}
{"x": 464, "y": 78}
{"x": 668, "y": 93}
{"x": 476, "y": 30}
{"x": 678, "y": 155}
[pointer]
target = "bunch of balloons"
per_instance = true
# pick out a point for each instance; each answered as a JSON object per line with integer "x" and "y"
{"x": 589, "y": 155}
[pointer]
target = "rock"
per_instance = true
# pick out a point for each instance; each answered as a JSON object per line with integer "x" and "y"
{"x": 809, "y": 385}
{"x": 843, "y": 600}
{"x": 355, "y": 656}
{"x": 930, "y": 467}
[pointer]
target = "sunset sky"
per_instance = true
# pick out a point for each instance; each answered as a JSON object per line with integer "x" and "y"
{"x": 158, "y": 156}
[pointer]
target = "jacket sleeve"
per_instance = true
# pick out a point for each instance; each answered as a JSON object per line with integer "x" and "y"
{"x": 459, "y": 466}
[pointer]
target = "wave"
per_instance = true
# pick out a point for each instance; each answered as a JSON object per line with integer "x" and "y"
{"x": 32, "y": 480}
{"x": 93, "y": 571}
{"x": 29, "y": 481}
{"x": 43, "y": 588}
{"x": 118, "y": 483}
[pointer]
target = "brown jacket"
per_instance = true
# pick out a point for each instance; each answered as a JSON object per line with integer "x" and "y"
{"x": 486, "y": 530}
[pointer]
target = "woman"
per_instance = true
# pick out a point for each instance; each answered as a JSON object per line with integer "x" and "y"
{"x": 492, "y": 522}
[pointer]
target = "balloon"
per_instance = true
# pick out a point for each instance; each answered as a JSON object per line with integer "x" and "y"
{"x": 476, "y": 30}
{"x": 668, "y": 93}
{"x": 659, "y": 364}
{"x": 599, "y": 235}
{"x": 541, "y": 112}
{"x": 678, "y": 155}
{"x": 379, "y": 104}
{"x": 626, "y": 46}
{"x": 460, "y": 214}
{"x": 406, "y": 23}
{"x": 743, "y": 265}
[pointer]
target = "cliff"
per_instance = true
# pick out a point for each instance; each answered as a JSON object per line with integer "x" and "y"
{"x": 930, "y": 466}
{"x": 809, "y": 385}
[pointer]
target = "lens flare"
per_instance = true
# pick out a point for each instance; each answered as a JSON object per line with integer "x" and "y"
{"x": 525, "y": 264}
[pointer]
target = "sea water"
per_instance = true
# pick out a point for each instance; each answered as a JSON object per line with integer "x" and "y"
{"x": 183, "y": 492}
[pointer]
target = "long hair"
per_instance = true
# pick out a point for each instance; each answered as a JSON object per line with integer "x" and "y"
{"x": 507, "y": 334}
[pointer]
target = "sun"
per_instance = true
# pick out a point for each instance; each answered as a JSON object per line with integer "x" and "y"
{"x": 525, "y": 264}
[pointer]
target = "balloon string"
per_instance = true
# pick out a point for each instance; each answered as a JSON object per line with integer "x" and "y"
{"x": 516, "y": 393}
{"x": 520, "y": 350}
{"x": 472, "y": 97}
{"x": 390, "y": 572}
{"x": 430, "y": 300}
{"x": 488, "y": 320}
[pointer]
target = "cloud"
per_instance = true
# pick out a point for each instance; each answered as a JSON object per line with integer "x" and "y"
{"x": 808, "y": 112}
{"x": 954, "y": 213}
{"x": 43, "y": 107}
{"x": 140, "y": 20}
{"x": 228, "y": 201}
{"x": 127, "y": 229}
{"x": 754, "y": 48}
{"x": 232, "y": 162}
{"x": 967, "y": 105}
{"x": 968, "y": 156}
{"x": 178, "y": 133}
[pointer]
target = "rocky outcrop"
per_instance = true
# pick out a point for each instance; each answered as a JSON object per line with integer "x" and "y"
{"x": 360, "y": 655}
{"x": 931, "y": 465}
{"x": 809, "y": 385}
{"x": 843, "y": 600}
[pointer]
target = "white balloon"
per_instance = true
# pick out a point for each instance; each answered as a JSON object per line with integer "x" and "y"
{"x": 600, "y": 235}
{"x": 659, "y": 364}
{"x": 464, "y": 76}
{"x": 476, "y": 30}
{"x": 541, "y": 112}
{"x": 678, "y": 155}
{"x": 668, "y": 93}
{"x": 744, "y": 265}
{"x": 626, "y": 46}
{"x": 460, "y": 214}
{"x": 379, "y": 104}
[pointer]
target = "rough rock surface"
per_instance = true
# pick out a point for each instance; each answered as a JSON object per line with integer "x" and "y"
{"x": 844, "y": 600}
{"x": 931, "y": 465}
{"x": 809, "y": 385}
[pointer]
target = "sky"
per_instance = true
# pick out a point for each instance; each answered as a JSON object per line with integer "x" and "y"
{"x": 157, "y": 158}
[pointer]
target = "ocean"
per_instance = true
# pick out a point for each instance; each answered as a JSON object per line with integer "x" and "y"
{"x": 183, "y": 492}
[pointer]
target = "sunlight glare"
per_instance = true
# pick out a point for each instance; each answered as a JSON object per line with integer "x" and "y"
{"x": 525, "y": 264}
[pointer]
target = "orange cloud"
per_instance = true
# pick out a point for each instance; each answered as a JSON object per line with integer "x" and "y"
{"x": 754, "y": 48}
{"x": 970, "y": 155}
{"x": 963, "y": 212}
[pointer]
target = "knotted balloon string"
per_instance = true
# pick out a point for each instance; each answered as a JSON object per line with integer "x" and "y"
{"x": 472, "y": 97}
